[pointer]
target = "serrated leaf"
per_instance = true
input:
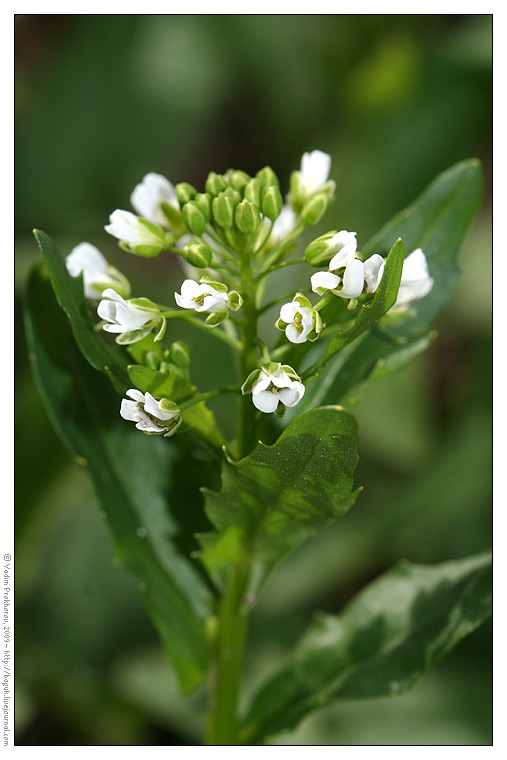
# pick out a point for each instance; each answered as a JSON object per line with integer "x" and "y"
{"x": 384, "y": 641}
{"x": 271, "y": 499}
{"x": 100, "y": 350}
{"x": 132, "y": 478}
{"x": 437, "y": 222}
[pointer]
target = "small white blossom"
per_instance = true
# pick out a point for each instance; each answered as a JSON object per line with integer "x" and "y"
{"x": 148, "y": 194}
{"x": 201, "y": 296}
{"x": 132, "y": 319}
{"x": 314, "y": 172}
{"x": 299, "y": 320}
{"x": 97, "y": 273}
{"x": 415, "y": 280}
{"x": 134, "y": 231}
{"x": 271, "y": 384}
{"x": 150, "y": 415}
{"x": 274, "y": 387}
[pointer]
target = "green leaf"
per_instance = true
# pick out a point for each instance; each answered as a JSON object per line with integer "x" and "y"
{"x": 384, "y": 298}
{"x": 436, "y": 222}
{"x": 385, "y": 640}
{"x": 271, "y": 499}
{"x": 131, "y": 473}
{"x": 99, "y": 349}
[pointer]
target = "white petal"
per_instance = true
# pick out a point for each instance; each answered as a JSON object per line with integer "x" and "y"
{"x": 322, "y": 281}
{"x": 107, "y": 310}
{"x": 113, "y": 295}
{"x": 184, "y": 303}
{"x": 315, "y": 167}
{"x": 129, "y": 410}
{"x": 265, "y": 401}
{"x": 136, "y": 395}
{"x": 284, "y": 223}
{"x": 289, "y": 311}
{"x": 114, "y": 328}
{"x": 281, "y": 379}
{"x": 295, "y": 335}
{"x": 148, "y": 426}
{"x": 263, "y": 382}
{"x": 341, "y": 239}
{"x": 373, "y": 271}
{"x": 293, "y": 395}
{"x": 344, "y": 256}
{"x": 132, "y": 318}
{"x": 191, "y": 289}
{"x": 353, "y": 279}
{"x": 88, "y": 259}
{"x": 146, "y": 197}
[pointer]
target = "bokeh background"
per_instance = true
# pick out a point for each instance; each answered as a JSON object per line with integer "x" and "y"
{"x": 100, "y": 101}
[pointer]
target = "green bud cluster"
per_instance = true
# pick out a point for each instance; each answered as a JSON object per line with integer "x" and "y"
{"x": 234, "y": 202}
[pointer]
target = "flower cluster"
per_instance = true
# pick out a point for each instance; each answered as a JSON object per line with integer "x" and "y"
{"x": 239, "y": 229}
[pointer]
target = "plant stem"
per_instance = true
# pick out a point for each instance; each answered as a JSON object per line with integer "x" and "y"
{"x": 229, "y": 638}
{"x": 229, "y": 651}
{"x": 248, "y": 358}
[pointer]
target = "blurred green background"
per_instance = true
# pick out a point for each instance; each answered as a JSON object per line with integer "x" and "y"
{"x": 100, "y": 101}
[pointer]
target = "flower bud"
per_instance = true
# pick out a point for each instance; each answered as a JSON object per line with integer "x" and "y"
{"x": 223, "y": 210}
{"x": 315, "y": 208}
{"x": 267, "y": 177}
{"x": 272, "y": 202}
{"x": 252, "y": 192}
{"x": 233, "y": 194}
{"x": 296, "y": 191}
{"x": 237, "y": 178}
{"x": 194, "y": 218}
{"x": 197, "y": 255}
{"x": 215, "y": 318}
{"x": 320, "y": 251}
{"x": 215, "y": 184}
{"x": 247, "y": 217}
{"x": 180, "y": 353}
{"x": 185, "y": 192}
{"x": 203, "y": 200}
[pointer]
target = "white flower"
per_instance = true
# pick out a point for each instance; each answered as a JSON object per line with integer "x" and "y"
{"x": 150, "y": 415}
{"x": 132, "y": 319}
{"x": 299, "y": 320}
{"x": 134, "y": 231}
{"x": 415, "y": 279}
{"x": 271, "y": 384}
{"x": 201, "y": 296}
{"x": 314, "y": 172}
{"x": 97, "y": 273}
{"x": 148, "y": 194}
{"x": 274, "y": 387}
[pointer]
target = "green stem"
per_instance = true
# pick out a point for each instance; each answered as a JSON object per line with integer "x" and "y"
{"x": 196, "y": 322}
{"x": 229, "y": 638}
{"x": 248, "y": 359}
{"x": 209, "y": 394}
{"x": 229, "y": 652}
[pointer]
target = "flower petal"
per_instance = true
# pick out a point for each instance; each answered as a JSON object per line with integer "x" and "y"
{"x": 265, "y": 401}
{"x": 353, "y": 279}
